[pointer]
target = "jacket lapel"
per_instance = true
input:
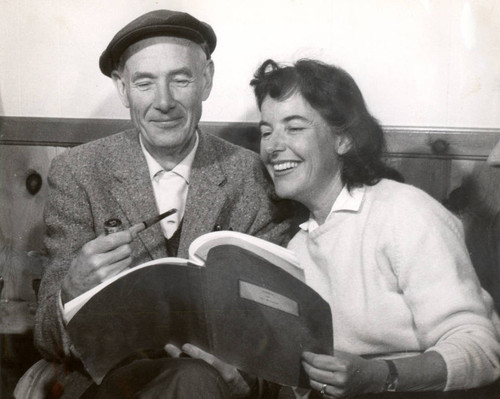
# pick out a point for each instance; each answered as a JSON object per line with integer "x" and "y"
{"x": 205, "y": 198}
{"x": 130, "y": 185}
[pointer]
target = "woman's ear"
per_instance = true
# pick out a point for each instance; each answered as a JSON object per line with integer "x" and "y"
{"x": 343, "y": 145}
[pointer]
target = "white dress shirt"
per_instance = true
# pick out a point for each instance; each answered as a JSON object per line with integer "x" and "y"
{"x": 170, "y": 187}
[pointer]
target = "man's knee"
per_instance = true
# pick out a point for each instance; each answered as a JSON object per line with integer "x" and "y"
{"x": 191, "y": 370}
{"x": 186, "y": 378}
{"x": 164, "y": 378}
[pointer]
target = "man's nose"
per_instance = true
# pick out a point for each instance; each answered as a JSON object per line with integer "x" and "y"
{"x": 164, "y": 100}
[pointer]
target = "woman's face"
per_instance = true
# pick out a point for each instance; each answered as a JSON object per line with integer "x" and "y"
{"x": 299, "y": 150}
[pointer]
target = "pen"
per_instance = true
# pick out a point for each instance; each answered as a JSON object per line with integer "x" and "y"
{"x": 114, "y": 225}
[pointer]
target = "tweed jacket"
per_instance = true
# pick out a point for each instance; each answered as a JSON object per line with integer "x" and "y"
{"x": 109, "y": 178}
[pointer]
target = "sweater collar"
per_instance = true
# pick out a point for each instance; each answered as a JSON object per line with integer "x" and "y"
{"x": 346, "y": 201}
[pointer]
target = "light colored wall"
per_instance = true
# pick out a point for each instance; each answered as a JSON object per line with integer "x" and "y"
{"x": 418, "y": 62}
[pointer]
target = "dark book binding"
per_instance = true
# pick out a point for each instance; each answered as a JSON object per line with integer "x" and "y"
{"x": 239, "y": 307}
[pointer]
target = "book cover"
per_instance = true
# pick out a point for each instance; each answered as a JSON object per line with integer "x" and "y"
{"x": 229, "y": 299}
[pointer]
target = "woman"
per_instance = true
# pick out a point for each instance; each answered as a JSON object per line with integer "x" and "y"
{"x": 408, "y": 311}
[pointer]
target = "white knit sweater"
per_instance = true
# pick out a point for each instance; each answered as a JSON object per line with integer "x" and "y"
{"x": 392, "y": 263}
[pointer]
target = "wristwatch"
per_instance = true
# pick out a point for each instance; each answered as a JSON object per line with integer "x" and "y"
{"x": 391, "y": 383}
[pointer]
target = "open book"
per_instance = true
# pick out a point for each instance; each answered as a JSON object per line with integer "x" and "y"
{"x": 238, "y": 297}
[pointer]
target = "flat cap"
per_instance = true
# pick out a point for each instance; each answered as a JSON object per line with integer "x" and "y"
{"x": 157, "y": 23}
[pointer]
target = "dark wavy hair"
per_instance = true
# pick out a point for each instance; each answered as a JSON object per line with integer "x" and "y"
{"x": 334, "y": 94}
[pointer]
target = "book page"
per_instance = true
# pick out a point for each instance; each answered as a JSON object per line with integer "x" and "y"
{"x": 73, "y": 306}
{"x": 279, "y": 256}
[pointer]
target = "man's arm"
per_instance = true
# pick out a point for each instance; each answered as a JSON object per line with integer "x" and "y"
{"x": 78, "y": 260}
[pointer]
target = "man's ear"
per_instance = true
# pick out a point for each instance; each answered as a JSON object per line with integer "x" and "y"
{"x": 120, "y": 87}
{"x": 343, "y": 145}
{"x": 208, "y": 77}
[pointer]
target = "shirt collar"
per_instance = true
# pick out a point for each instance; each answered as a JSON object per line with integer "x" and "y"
{"x": 183, "y": 168}
{"x": 347, "y": 200}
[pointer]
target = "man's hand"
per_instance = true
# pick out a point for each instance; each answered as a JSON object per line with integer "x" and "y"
{"x": 97, "y": 261}
{"x": 238, "y": 386}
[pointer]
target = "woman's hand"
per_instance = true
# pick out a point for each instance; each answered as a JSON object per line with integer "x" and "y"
{"x": 344, "y": 374}
{"x": 238, "y": 386}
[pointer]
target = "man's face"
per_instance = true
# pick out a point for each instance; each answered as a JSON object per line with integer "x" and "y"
{"x": 163, "y": 81}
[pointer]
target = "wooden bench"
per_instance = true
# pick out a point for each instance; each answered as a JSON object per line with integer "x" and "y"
{"x": 449, "y": 164}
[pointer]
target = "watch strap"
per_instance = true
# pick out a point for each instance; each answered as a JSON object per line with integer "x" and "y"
{"x": 391, "y": 383}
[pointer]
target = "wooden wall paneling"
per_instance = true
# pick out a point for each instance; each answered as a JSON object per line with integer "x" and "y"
{"x": 457, "y": 143}
{"x": 463, "y": 143}
{"x": 430, "y": 175}
{"x": 447, "y": 163}
{"x": 57, "y": 131}
{"x": 21, "y": 224}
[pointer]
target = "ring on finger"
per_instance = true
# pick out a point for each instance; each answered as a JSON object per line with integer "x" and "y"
{"x": 323, "y": 388}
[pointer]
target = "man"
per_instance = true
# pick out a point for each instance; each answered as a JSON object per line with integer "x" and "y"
{"x": 161, "y": 66}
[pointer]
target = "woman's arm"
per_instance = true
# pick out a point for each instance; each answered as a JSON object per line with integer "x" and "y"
{"x": 423, "y": 255}
{"x": 345, "y": 374}
{"x": 452, "y": 314}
